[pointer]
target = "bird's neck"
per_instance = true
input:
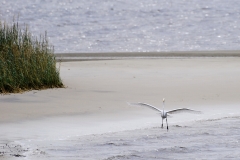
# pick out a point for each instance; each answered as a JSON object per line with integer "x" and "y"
{"x": 163, "y": 105}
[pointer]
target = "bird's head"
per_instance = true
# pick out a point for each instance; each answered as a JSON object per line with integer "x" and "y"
{"x": 163, "y": 100}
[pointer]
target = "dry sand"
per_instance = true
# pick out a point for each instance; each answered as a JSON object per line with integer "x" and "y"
{"x": 94, "y": 100}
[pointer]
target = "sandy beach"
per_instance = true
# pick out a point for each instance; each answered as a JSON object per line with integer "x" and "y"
{"x": 94, "y": 103}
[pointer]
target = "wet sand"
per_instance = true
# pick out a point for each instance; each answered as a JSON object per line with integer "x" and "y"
{"x": 94, "y": 104}
{"x": 66, "y": 57}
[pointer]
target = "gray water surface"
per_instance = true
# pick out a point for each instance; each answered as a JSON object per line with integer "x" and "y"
{"x": 210, "y": 139}
{"x": 204, "y": 139}
{"x": 132, "y": 26}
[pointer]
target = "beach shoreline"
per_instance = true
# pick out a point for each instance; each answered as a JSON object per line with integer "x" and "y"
{"x": 96, "y": 95}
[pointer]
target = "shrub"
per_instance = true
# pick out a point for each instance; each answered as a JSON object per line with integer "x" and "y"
{"x": 26, "y": 63}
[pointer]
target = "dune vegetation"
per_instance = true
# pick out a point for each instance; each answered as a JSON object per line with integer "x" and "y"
{"x": 26, "y": 62}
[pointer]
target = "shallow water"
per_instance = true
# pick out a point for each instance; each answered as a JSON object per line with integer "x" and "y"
{"x": 136, "y": 25}
{"x": 203, "y": 139}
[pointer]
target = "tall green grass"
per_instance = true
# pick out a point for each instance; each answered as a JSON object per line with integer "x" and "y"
{"x": 26, "y": 63}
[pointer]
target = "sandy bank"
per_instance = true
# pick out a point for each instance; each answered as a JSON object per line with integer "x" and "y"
{"x": 94, "y": 100}
{"x": 104, "y": 87}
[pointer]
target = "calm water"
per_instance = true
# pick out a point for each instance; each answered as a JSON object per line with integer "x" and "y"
{"x": 208, "y": 139}
{"x": 136, "y": 25}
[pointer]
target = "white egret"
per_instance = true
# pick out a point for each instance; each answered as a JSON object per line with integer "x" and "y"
{"x": 163, "y": 112}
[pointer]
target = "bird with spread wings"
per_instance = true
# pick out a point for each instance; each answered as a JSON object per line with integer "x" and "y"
{"x": 163, "y": 112}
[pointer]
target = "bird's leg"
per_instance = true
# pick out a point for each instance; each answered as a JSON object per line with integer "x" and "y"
{"x": 162, "y": 122}
{"x": 167, "y": 123}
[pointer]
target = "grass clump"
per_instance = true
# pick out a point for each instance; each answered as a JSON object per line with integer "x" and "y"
{"x": 26, "y": 63}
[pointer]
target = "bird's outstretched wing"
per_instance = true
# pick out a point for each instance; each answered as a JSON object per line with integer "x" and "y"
{"x": 145, "y": 105}
{"x": 182, "y": 110}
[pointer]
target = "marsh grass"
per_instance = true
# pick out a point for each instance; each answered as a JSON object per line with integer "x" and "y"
{"x": 26, "y": 63}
